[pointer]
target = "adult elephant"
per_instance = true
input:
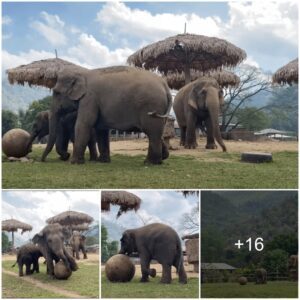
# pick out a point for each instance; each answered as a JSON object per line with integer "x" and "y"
{"x": 28, "y": 255}
{"x": 155, "y": 241}
{"x": 261, "y": 276}
{"x": 77, "y": 243}
{"x": 122, "y": 98}
{"x": 51, "y": 243}
{"x": 64, "y": 133}
{"x": 196, "y": 103}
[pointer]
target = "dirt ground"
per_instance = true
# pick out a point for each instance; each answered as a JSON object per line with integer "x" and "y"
{"x": 135, "y": 147}
{"x": 188, "y": 268}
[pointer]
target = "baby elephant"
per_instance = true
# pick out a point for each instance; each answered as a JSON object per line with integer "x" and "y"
{"x": 77, "y": 242}
{"x": 28, "y": 255}
{"x": 261, "y": 276}
{"x": 159, "y": 242}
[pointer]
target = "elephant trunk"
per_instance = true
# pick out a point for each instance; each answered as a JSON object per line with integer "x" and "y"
{"x": 53, "y": 124}
{"x": 213, "y": 107}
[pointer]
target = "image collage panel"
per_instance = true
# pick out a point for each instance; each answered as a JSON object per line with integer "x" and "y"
{"x": 149, "y": 150}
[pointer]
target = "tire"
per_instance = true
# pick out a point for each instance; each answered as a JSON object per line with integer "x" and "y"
{"x": 256, "y": 157}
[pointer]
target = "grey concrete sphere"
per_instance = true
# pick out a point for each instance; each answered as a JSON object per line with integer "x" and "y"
{"x": 119, "y": 268}
{"x": 15, "y": 142}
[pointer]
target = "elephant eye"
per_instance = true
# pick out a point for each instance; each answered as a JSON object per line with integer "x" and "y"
{"x": 49, "y": 240}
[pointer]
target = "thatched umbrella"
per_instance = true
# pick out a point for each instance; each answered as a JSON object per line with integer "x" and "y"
{"x": 80, "y": 227}
{"x": 126, "y": 201}
{"x": 41, "y": 73}
{"x": 225, "y": 78}
{"x": 70, "y": 218}
{"x": 287, "y": 74}
{"x": 12, "y": 225}
{"x": 184, "y": 52}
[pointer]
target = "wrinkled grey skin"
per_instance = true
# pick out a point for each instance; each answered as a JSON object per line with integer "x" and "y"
{"x": 159, "y": 242}
{"x": 28, "y": 255}
{"x": 65, "y": 133}
{"x": 122, "y": 98}
{"x": 77, "y": 243}
{"x": 51, "y": 243}
{"x": 196, "y": 103}
{"x": 261, "y": 276}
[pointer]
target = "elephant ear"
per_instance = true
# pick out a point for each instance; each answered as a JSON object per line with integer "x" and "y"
{"x": 38, "y": 238}
{"x": 83, "y": 238}
{"x": 192, "y": 99}
{"x": 197, "y": 96}
{"x": 71, "y": 84}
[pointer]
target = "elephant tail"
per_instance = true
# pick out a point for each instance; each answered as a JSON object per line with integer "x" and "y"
{"x": 14, "y": 264}
{"x": 179, "y": 257}
{"x": 170, "y": 102}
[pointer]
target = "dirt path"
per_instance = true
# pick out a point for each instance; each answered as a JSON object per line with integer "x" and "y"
{"x": 45, "y": 286}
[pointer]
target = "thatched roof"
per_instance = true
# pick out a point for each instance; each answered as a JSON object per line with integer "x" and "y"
{"x": 287, "y": 74}
{"x": 176, "y": 80}
{"x": 188, "y": 193}
{"x": 198, "y": 51}
{"x": 126, "y": 201}
{"x": 12, "y": 225}
{"x": 80, "y": 227}
{"x": 41, "y": 73}
{"x": 69, "y": 218}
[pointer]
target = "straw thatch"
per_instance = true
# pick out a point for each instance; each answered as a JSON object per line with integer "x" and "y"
{"x": 12, "y": 225}
{"x": 187, "y": 50}
{"x": 188, "y": 193}
{"x": 70, "y": 218}
{"x": 80, "y": 227}
{"x": 287, "y": 74}
{"x": 126, "y": 201}
{"x": 40, "y": 73}
{"x": 176, "y": 80}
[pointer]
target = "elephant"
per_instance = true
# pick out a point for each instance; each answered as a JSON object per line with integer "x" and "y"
{"x": 293, "y": 267}
{"x": 155, "y": 241}
{"x": 261, "y": 276}
{"x": 122, "y": 98}
{"x": 28, "y": 255}
{"x": 65, "y": 133}
{"x": 77, "y": 243}
{"x": 51, "y": 243}
{"x": 199, "y": 103}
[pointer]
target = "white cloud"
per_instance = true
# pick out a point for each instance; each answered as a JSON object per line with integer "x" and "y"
{"x": 6, "y": 20}
{"x": 91, "y": 52}
{"x": 7, "y": 36}
{"x": 52, "y": 29}
{"x": 251, "y": 62}
{"x": 151, "y": 27}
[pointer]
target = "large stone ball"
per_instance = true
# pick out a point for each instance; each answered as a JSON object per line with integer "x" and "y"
{"x": 61, "y": 271}
{"x": 242, "y": 280}
{"x": 119, "y": 268}
{"x": 15, "y": 143}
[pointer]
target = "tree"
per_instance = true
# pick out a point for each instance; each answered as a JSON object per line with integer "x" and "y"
{"x": 27, "y": 117}
{"x": 252, "y": 118}
{"x": 6, "y": 244}
{"x": 252, "y": 82}
{"x": 276, "y": 261}
{"x": 286, "y": 242}
{"x": 9, "y": 121}
{"x": 108, "y": 249}
{"x": 190, "y": 221}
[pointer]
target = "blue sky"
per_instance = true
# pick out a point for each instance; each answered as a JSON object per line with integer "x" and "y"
{"x": 35, "y": 207}
{"x": 105, "y": 33}
{"x": 165, "y": 207}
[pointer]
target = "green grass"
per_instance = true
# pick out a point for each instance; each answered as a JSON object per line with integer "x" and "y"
{"x": 13, "y": 287}
{"x": 273, "y": 289}
{"x": 176, "y": 172}
{"x": 152, "y": 289}
{"x": 85, "y": 281}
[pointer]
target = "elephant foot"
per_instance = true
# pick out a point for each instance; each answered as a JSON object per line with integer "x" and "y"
{"x": 211, "y": 146}
{"x": 85, "y": 257}
{"x": 191, "y": 146}
{"x": 165, "y": 152}
{"x": 104, "y": 159}
{"x": 152, "y": 273}
{"x": 78, "y": 161}
{"x": 183, "y": 280}
{"x": 182, "y": 143}
{"x": 144, "y": 280}
{"x": 148, "y": 161}
{"x": 21, "y": 275}
{"x": 94, "y": 158}
{"x": 65, "y": 156}
{"x": 165, "y": 281}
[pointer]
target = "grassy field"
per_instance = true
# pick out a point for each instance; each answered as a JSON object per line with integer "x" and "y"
{"x": 152, "y": 289}
{"x": 275, "y": 289}
{"x": 215, "y": 170}
{"x": 84, "y": 282}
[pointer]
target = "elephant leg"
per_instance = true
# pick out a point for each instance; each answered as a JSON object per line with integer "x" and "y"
{"x": 210, "y": 144}
{"x": 145, "y": 264}
{"x": 166, "y": 274}
{"x": 103, "y": 145}
{"x": 182, "y": 135}
{"x": 36, "y": 266}
{"x": 50, "y": 265}
{"x": 77, "y": 253}
{"x": 181, "y": 274}
{"x": 165, "y": 150}
{"x": 20, "y": 265}
{"x": 155, "y": 150}
{"x": 191, "y": 142}
{"x": 28, "y": 271}
{"x": 84, "y": 253}
{"x": 92, "y": 147}
{"x": 83, "y": 128}
{"x": 62, "y": 142}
